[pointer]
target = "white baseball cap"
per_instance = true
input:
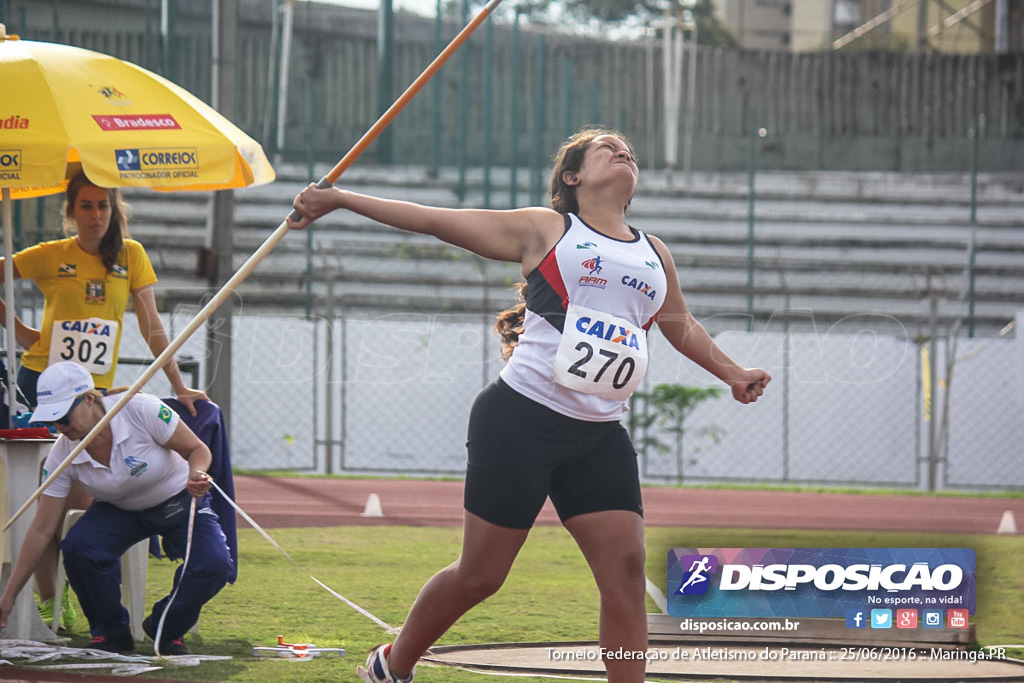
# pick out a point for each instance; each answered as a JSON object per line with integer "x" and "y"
{"x": 57, "y": 388}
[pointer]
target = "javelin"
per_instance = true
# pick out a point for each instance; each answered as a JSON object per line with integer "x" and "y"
{"x": 246, "y": 268}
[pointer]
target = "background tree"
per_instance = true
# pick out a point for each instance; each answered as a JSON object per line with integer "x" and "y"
{"x": 666, "y": 407}
{"x": 637, "y": 13}
{"x": 710, "y": 31}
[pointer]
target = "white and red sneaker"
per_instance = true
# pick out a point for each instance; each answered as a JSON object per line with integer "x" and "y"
{"x": 376, "y": 669}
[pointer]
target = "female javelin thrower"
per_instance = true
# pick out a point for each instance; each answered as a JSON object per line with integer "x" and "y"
{"x": 549, "y": 425}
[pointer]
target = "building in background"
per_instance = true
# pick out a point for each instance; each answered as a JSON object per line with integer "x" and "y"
{"x": 760, "y": 24}
{"x": 947, "y": 26}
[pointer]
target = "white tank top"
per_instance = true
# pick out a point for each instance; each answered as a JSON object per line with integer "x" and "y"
{"x": 589, "y": 305}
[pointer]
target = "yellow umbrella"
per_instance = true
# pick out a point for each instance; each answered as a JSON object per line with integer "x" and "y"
{"x": 125, "y": 126}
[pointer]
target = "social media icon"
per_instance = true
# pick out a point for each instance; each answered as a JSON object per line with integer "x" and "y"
{"x": 931, "y": 618}
{"x": 906, "y": 618}
{"x": 957, "y": 618}
{"x": 856, "y": 618}
{"x": 881, "y": 618}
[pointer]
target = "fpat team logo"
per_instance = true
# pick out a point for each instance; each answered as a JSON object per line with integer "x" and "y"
{"x": 695, "y": 579}
{"x": 593, "y": 279}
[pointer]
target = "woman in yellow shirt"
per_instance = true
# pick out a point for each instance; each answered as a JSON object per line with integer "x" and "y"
{"x": 87, "y": 279}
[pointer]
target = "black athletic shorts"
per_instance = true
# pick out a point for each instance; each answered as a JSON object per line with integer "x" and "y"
{"x": 521, "y": 452}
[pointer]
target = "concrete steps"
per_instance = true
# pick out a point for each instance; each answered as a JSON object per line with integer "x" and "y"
{"x": 838, "y": 245}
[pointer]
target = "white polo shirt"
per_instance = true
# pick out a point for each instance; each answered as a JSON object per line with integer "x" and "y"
{"x": 142, "y": 472}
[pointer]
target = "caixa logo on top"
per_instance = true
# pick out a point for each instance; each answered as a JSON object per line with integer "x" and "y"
{"x": 816, "y": 582}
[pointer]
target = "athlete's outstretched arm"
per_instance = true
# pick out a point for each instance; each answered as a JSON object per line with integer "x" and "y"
{"x": 511, "y": 235}
{"x": 690, "y": 338}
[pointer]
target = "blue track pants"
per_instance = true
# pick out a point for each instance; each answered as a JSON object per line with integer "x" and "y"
{"x": 92, "y": 559}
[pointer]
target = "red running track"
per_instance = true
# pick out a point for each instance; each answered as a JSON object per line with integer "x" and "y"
{"x": 311, "y": 502}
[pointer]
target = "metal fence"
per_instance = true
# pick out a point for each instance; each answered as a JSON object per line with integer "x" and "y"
{"x": 850, "y": 407}
{"x": 390, "y": 394}
{"x": 510, "y": 95}
{"x": 850, "y": 289}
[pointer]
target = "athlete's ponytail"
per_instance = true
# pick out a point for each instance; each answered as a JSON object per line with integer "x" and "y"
{"x": 509, "y": 324}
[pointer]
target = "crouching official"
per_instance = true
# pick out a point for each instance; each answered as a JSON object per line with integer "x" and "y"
{"x": 141, "y": 470}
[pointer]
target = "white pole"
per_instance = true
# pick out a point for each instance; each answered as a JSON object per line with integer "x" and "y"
{"x": 691, "y": 102}
{"x": 12, "y": 343}
{"x": 1001, "y": 23}
{"x": 651, "y": 115}
{"x": 165, "y": 36}
{"x": 282, "y": 97}
{"x": 1019, "y": 355}
{"x": 268, "y": 104}
{"x": 671, "y": 92}
{"x": 677, "y": 83}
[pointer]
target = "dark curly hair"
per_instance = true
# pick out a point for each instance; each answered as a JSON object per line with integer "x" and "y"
{"x": 509, "y": 324}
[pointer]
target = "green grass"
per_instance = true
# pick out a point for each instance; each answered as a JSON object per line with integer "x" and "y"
{"x": 549, "y": 596}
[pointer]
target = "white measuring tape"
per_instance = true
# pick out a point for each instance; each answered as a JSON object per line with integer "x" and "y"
{"x": 34, "y": 652}
{"x": 184, "y": 565}
{"x": 259, "y": 529}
